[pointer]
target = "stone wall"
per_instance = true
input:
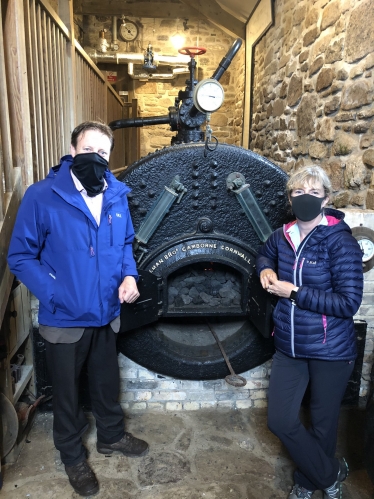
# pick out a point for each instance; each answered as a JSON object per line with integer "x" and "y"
{"x": 313, "y": 93}
{"x": 155, "y": 96}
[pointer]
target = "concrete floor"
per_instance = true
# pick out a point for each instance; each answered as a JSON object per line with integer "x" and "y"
{"x": 211, "y": 454}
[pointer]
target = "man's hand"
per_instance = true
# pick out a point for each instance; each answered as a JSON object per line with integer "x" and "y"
{"x": 128, "y": 291}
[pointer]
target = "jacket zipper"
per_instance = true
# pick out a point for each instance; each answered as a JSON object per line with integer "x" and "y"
{"x": 298, "y": 253}
{"x": 90, "y": 243}
{"x": 111, "y": 228}
{"x": 324, "y": 322}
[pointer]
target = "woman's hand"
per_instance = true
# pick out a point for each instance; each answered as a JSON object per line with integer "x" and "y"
{"x": 281, "y": 288}
{"x": 266, "y": 277}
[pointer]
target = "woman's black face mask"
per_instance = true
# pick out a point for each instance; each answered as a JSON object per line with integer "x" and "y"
{"x": 89, "y": 169}
{"x": 306, "y": 207}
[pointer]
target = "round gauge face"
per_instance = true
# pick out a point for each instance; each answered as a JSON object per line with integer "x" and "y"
{"x": 128, "y": 31}
{"x": 367, "y": 248}
{"x": 208, "y": 96}
{"x": 365, "y": 239}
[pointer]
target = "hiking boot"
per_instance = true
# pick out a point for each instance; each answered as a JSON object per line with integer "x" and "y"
{"x": 128, "y": 445}
{"x": 298, "y": 492}
{"x": 82, "y": 479}
{"x": 335, "y": 490}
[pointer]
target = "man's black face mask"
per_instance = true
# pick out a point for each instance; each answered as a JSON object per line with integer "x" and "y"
{"x": 89, "y": 169}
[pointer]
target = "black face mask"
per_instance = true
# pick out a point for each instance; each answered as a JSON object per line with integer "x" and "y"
{"x": 89, "y": 169}
{"x": 306, "y": 207}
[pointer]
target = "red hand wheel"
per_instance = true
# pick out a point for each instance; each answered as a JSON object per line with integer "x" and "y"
{"x": 192, "y": 51}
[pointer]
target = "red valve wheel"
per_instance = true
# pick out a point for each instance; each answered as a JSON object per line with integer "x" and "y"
{"x": 192, "y": 51}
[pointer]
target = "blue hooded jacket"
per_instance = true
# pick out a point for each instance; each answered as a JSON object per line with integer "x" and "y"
{"x": 72, "y": 265}
{"x": 327, "y": 268}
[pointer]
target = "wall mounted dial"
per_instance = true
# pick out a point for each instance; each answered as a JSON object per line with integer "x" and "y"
{"x": 365, "y": 239}
{"x": 208, "y": 95}
{"x": 128, "y": 31}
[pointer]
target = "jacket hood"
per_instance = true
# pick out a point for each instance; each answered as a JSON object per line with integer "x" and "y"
{"x": 336, "y": 224}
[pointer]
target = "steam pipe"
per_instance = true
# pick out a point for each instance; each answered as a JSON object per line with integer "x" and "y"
{"x": 155, "y": 76}
{"x": 140, "y": 122}
{"x": 227, "y": 59}
{"x": 114, "y": 32}
{"x": 125, "y": 58}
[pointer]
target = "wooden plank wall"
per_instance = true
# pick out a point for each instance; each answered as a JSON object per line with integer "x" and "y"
{"x": 47, "y": 59}
{"x": 47, "y": 85}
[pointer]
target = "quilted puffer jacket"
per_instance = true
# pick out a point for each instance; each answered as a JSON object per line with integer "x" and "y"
{"x": 327, "y": 268}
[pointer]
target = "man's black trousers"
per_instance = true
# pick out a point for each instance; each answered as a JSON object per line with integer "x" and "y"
{"x": 97, "y": 347}
{"x": 312, "y": 449}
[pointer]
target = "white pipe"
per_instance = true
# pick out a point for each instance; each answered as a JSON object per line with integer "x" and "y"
{"x": 156, "y": 76}
{"x": 135, "y": 57}
{"x": 114, "y": 31}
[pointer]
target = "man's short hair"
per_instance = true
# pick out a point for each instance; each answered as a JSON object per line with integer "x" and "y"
{"x": 92, "y": 125}
{"x": 309, "y": 175}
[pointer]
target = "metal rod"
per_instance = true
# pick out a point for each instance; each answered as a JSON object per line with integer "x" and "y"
{"x": 221, "y": 348}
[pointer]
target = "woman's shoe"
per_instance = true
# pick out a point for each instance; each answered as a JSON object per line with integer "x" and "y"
{"x": 298, "y": 492}
{"x": 335, "y": 490}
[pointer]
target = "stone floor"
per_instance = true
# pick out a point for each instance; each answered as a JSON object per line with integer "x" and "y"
{"x": 211, "y": 454}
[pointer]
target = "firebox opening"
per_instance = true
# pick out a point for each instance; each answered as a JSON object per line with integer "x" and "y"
{"x": 184, "y": 348}
{"x": 206, "y": 288}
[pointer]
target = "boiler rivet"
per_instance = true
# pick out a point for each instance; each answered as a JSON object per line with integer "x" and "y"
{"x": 151, "y": 193}
{"x": 195, "y": 204}
{"x": 213, "y": 164}
{"x": 267, "y": 183}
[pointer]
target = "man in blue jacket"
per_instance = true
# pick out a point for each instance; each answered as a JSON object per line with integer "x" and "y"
{"x": 72, "y": 247}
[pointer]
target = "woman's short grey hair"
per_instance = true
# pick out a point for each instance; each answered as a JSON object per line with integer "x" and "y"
{"x": 309, "y": 175}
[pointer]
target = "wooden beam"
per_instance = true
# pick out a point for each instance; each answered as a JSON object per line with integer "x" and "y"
{"x": 219, "y": 17}
{"x": 258, "y": 24}
{"x": 17, "y": 81}
{"x": 12, "y": 201}
{"x": 137, "y": 8}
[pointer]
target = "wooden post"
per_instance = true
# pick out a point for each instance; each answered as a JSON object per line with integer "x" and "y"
{"x": 16, "y": 71}
{"x": 4, "y": 128}
{"x": 258, "y": 24}
{"x": 65, "y": 10}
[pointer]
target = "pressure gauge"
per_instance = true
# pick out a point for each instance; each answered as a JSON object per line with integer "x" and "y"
{"x": 365, "y": 239}
{"x": 208, "y": 95}
{"x": 128, "y": 31}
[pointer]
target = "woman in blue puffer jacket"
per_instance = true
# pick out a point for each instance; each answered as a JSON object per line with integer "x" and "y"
{"x": 314, "y": 266}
